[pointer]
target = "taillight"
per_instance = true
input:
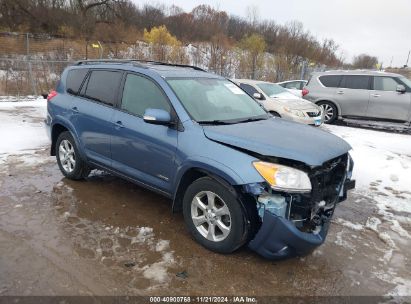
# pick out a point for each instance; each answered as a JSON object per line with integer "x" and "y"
{"x": 305, "y": 92}
{"x": 51, "y": 95}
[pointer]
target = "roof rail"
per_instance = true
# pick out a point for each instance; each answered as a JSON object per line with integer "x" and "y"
{"x": 172, "y": 64}
{"x": 113, "y": 61}
{"x": 136, "y": 62}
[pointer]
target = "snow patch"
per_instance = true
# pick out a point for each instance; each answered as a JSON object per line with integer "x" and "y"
{"x": 348, "y": 224}
{"x": 162, "y": 245}
{"x": 372, "y": 223}
{"x": 19, "y": 133}
{"x": 158, "y": 271}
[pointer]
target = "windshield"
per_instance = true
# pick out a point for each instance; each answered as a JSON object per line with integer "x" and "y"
{"x": 271, "y": 89}
{"x": 212, "y": 100}
{"x": 406, "y": 81}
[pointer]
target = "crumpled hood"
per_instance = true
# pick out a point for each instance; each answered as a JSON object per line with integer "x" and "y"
{"x": 281, "y": 138}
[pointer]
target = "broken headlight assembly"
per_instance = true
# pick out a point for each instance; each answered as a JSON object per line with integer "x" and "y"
{"x": 284, "y": 178}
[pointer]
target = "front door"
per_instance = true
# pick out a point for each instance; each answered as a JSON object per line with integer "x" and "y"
{"x": 386, "y": 102}
{"x": 140, "y": 150}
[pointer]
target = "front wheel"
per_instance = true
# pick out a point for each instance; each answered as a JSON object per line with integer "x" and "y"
{"x": 68, "y": 159}
{"x": 330, "y": 111}
{"x": 214, "y": 216}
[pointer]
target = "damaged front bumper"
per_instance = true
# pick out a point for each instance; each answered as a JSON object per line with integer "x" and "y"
{"x": 279, "y": 238}
{"x": 286, "y": 236}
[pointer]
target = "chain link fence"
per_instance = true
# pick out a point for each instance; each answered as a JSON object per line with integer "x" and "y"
{"x": 32, "y": 64}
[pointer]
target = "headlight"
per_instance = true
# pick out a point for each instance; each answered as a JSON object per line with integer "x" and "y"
{"x": 283, "y": 178}
{"x": 294, "y": 112}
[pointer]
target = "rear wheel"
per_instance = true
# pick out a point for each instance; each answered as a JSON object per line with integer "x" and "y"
{"x": 68, "y": 159}
{"x": 330, "y": 111}
{"x": 214, "y": 216}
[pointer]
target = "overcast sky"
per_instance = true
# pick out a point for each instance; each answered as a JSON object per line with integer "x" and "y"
{"x": 379, "y": 27}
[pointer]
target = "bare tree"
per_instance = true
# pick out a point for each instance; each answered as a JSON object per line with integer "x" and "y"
{"x": 365, "y": 61}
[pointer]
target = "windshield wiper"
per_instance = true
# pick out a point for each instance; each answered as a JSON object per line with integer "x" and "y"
{"x": 252, "y": 119}
{"x": 215, "y": 122}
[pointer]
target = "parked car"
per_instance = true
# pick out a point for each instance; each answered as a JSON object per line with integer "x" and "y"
{"x": 372, "y": 95}
{"x": 294, "y": 86}
{"x": 238, "y": 174}
{"x": 281, "y": 103}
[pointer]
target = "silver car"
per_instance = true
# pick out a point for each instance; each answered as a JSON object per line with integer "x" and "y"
{"x": 280, "y": 102}
{"x": 371, "y": 95}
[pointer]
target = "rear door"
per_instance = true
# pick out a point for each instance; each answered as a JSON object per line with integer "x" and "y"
{"x": 95, "y": 108}
{"x": 353, "y": 95}
{"x": 140, "y": 150}
{"x": 386, "y": 102}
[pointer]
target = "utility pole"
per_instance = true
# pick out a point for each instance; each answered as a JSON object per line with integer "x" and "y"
{"x": 408, "y": 58}
{"x": 33, "y": 84}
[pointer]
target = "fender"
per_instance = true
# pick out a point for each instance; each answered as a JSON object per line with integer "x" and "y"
{"x": 209, "y": 166}
{"x": 61, "y": 120}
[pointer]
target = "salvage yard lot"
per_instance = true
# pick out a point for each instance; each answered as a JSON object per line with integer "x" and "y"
{"x": 106, "y": 236}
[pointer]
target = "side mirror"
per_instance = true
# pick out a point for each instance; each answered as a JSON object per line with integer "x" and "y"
{"x": 157, "y": 117}
{"x": 258, "y": 96}
{"x": 45, "y": 95}
{"x": 401, "y": 89}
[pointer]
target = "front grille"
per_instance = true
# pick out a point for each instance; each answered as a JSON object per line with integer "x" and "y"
{"x": 313, "y": 114}
{"x": 326, "y": 182}
{"x": 327, "y": 179}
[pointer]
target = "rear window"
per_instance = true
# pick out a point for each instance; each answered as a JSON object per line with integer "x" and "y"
{"x": 102, "y": 86}
{"x": 331, "y": 81}
{"x": 356, "y": 82}
{"x": 75, "y": 79}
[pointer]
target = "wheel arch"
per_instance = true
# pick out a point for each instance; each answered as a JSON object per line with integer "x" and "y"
{"x": 192, "y": 174}
{"x": 58, "y": 127}
{"x": 337, "y": 106}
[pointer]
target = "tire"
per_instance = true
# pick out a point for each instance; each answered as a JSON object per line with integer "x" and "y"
{"x": 330, "y": 111}
{"x": 275, "y": 114}
{"x": 68, "y": 158}
{"x": 222, "y": 240}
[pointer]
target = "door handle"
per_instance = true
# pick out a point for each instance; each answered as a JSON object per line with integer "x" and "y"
{"x": 340, "y": 92}
{"x": 119, "y": 124}
{"x": 375, "y": 95}
{"x": 75, "y": 109}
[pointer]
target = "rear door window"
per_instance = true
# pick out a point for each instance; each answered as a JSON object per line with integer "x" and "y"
{"x": 103, "y": 86}
{"x": 356, "y": 82}
{"x": 248, "y": 88}
{"x": 331, "y": 81}
{"x": 75, "y": 79}
{"x": 385, "y": 84}
{"x": 140, "y": 94}
{"x": 293, "y": 85}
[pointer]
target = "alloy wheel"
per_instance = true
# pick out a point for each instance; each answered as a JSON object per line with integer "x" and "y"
{"x": 67, "y": 156}
{"x": 211, "y": 216}
{"x": 328, "y": 111}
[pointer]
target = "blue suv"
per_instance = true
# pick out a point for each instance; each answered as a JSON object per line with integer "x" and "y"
{"x": 239, "y": 175}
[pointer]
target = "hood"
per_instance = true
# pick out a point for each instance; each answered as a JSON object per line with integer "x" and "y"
{"x": 294, "y": 102}
{"x": 281, "y": 138}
